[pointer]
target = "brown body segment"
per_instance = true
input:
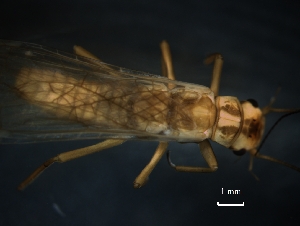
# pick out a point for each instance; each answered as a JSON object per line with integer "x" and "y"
{"x": 229, "y": 120}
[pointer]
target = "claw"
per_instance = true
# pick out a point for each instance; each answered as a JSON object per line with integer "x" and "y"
{"x": 169, "y": 159}
{"x": 139, "y": 185}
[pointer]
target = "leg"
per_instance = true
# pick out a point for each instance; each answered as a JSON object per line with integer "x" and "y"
{"x": 83, "y": 52}
{"x": 167, "y": 66}
{"x": 216, "y": 75}
{"x": 67, "y": 156}
{"x": 208, "y": 155}
{"x": 167, "y": 71}
{"x": 142, "y": 178}
{"x": 95, "y": 60}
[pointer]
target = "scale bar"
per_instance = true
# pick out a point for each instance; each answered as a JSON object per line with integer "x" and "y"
{"x": 218, "y": 204}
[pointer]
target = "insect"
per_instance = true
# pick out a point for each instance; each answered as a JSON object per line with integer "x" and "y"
{"x": 50, "y": 95}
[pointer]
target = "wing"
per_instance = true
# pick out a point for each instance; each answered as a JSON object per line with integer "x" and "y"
{"x": 49, "y": 95}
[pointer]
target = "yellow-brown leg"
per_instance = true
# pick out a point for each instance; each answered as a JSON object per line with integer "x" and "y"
{"x": 70, "y": 155}
{"x": 67, "y": 156}
{"x": 142, "y": 178}
{"x": 167, "y": 66}
{"x": 83, "y": 52}
{"x": 205, "y": 147}
{"x": 94, "y": 60}
{"x": 209, "y": 157}
{"x": 217, "y": 70}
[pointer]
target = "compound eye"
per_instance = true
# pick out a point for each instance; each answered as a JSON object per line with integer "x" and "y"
{"x": 253, "y": 102}
{"x": 239, "y": 152}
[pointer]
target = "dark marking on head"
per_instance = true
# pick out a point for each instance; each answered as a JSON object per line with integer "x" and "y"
{"x": 251, "y": 128}
{"x": 247, "y": 122}
{"x": 254, "y": 127}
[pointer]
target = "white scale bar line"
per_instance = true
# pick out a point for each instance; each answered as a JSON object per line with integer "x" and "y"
{"x": 243, "y": 204}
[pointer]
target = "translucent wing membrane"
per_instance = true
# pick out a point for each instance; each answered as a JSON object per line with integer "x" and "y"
{"x": 50, "y": 95}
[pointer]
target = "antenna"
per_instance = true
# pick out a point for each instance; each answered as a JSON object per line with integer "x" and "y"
{"x": 255, "y": 152}
{"x": 275, "y": 124}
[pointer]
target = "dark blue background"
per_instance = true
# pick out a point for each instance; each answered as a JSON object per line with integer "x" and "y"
{"x": 260, "y": 42}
